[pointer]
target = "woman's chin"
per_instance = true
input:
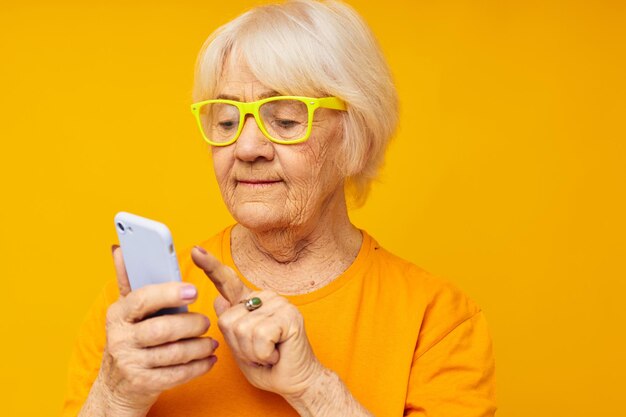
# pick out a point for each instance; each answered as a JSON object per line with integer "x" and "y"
{"x": 259, "y": 217}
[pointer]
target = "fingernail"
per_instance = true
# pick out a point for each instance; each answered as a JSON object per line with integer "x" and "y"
{"x": 216, "y": 344}
{"x": 201, "y": 249}
{"x": 113, "y": 247}
{"x": 188, "y": 292}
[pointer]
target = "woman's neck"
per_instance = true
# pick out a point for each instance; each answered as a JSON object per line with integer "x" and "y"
{"x": 301, "y": 259}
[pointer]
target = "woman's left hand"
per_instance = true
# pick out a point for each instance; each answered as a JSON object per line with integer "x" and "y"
{"x": 270, "y": 343}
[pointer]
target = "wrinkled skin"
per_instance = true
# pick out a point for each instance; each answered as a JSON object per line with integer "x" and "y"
{"x": 306, "y": 176}
{"x": 144, "y": 355}
{"x": 269, "y": 344}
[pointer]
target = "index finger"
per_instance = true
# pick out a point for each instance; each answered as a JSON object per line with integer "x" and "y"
{"x": 223, "y": 277}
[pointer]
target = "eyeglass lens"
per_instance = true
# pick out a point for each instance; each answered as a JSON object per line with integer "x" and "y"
{"x": 285, "y": 120}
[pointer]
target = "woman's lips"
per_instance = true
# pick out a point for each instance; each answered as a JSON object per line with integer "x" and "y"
{"x": 257, "y": 183}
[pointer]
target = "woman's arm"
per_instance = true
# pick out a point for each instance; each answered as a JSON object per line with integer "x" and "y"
{"x": 327, "y": 396}
{"x": 101, "y": 403}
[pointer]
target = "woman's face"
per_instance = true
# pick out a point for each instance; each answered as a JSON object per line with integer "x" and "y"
{"x": 267, "y": 185}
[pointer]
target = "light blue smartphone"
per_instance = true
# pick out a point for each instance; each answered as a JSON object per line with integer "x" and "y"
{"x": 148, "y": 252}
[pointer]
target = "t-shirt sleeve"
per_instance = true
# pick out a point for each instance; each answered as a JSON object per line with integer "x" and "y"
{"x": 86, "y": 356}
{"x": 455, "y": 375}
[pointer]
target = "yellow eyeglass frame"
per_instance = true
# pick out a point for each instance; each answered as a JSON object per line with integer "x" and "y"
{"x": 252, "y": 108}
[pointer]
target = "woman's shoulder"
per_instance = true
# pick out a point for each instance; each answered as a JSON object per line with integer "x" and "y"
{"x": 402, "y": 270}
{"x": 437, "y": 297}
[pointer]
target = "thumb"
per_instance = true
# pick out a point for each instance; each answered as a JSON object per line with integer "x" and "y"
{"x": 120, "y": 271}
{"x": 223, "y": 277}
{"x": 220, "y": 305}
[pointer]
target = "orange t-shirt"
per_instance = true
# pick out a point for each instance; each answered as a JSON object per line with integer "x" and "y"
{"x": 403, "y": 342}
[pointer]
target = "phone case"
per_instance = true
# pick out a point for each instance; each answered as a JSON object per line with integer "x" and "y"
{"x": 148, "y": 252}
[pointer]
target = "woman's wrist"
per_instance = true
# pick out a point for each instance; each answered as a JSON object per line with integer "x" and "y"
{"x": 103, "y": 402}
{"x": 326, "y": 396}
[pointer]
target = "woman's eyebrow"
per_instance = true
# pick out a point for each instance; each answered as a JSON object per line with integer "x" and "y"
{"x": 266, "y": 94}
{"x": 227, "y": 97}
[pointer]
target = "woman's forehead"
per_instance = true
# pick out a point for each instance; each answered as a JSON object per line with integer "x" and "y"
{"x": 238, "y": 82}
{"x": 259, "y": 77}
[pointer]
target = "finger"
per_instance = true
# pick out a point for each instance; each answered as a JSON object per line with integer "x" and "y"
{"x": 270, "y": 332}
{"x": 227, "y": 320}
{"x": 181, "y": 352}
{"x": 220, "y": 305}
{"x": 120, "y": 271}
{"x": 149, "y": 299}
{"x": 234, "y": 321}
{"x": 232, "y": 315}
{"x": 223, "y": 277}
{"x": 169, "y": 328}
{"x": 172, "y": 376}
{"x": 264, "y": 339}
{"x": 252, "y": 335}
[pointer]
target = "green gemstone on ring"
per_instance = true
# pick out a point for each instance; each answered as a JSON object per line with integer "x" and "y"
{"x": 253, "y": 303}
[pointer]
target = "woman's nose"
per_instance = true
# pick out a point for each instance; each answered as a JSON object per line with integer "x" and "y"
{"x": 252, "y": 144}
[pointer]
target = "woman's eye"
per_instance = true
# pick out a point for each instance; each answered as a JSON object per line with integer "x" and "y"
{"x": 228, "y": 124}
{"x": 286, "y": 123}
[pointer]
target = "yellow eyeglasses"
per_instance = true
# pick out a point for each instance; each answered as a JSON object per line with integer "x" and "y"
{"x": 282, "y": 119}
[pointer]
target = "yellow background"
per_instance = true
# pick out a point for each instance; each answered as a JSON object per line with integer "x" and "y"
{"x": 506, "y": 176}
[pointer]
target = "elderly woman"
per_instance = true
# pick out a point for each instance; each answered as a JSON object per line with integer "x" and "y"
{"x": 313, "y": 317}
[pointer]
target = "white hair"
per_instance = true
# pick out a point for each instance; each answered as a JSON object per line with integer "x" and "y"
{"x": 312, "y": 48}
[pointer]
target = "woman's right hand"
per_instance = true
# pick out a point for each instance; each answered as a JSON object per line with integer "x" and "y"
{"x": 146, "y": 355}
